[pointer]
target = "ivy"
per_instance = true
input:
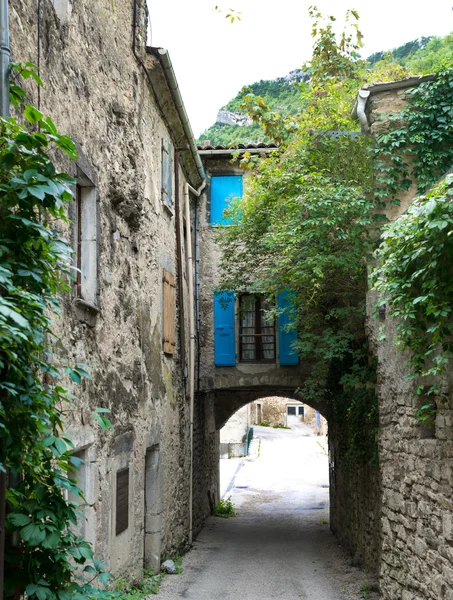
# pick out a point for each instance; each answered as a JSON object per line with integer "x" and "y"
{"x": 417, "y": 142}
{"x": 413, "y": 278}
{"x": 35, "y": 271}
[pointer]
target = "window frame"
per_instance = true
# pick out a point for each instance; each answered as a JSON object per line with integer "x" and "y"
{"x": 257, "y": 335}
{"x": 86, "y": 245}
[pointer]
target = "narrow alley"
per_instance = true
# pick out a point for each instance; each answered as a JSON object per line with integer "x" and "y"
{"x": 279, "y": 545}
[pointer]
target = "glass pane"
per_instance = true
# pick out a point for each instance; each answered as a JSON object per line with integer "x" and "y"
{"x": 291, "y": 410}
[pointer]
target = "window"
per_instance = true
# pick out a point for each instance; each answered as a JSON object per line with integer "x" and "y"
{"x": 168, "y": 333}
{"x": 86, "y": 240}
{"x": 300, "y": 410}
{"x": 223, "y": 189}
{"x": 167, "y": 174}
{"x": 291, "y": 410}
{"x": 256, "y": 330}
{"x": 122, "y": 501}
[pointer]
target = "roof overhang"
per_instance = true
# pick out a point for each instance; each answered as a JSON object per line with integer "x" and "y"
{"x": 169, "y": 101}
{"x": 358, "y": 111}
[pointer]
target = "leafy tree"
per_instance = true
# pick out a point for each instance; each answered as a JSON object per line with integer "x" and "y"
{"x": 304, "y": 223}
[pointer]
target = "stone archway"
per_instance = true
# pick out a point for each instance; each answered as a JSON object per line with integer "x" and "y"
{"x": 229, "y": 400}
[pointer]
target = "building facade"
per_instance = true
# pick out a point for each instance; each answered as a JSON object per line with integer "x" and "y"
{"x": 129, "y": 314}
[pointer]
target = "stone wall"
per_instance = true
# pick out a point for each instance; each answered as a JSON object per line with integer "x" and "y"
{"x": 97, "y": 93}
{"x": 416, "y": 463}
{"x": 355, "y": 507}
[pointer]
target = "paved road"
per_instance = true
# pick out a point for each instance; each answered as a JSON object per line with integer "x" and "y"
{"x": 279, "y": 546}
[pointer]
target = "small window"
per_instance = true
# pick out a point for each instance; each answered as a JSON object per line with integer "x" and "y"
{"x": 86, "y": 241}
{"x": 291, "y": 410}
{"x": 122, "y": 501}
{"x": 167, "y": 174}
{"x": 256, "y": 330}
{"x": 168, "y": 334}
{"x": 223, "y": 190}
{"x": 301, "y": 410}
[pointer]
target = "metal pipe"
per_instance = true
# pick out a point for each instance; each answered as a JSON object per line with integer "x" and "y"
{"x": 197, "y": 287}
{"x": 182, "y": 333}
{"x": 358, "y": 112}
{"x": 4, "y": 59}
{"x": 191, "y": 374}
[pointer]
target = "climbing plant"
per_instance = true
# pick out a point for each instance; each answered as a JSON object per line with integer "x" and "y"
{"x": 36, "y": 455}
{"x": 304, "y": 223}
{"x": 412, "y": 276}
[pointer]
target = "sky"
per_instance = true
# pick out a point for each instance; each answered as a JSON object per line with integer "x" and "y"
{"x": 213, "y": 59}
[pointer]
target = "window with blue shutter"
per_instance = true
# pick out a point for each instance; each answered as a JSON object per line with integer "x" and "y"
{"x": 167, "y": 174}
{"x": 224, "y": 329}
{"x": 223, "y": 189}
{"x": 286, "y": 354}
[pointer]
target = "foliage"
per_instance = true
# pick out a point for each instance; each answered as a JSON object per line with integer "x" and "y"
{"x": 305, "y": 224}
{"x": 279, "y": 426}
{"x": 413, "y": 279}
{"x": 225, "y": 509}
{"x": 139, "y": 590}
{"x": 401, "y": 54}
{"x": 222, "y": 134}
{"x": 419, "y": 138}
{"x": 431, "y": 57}
{"x": 35, "y": 264}
{"x": 353, "y": 413}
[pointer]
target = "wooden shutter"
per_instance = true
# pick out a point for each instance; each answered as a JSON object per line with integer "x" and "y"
{"x": 167, "y": 173}
{"x": 286, "y": 338}
{"x": 168, "y": 337}
{"x": 224, "y": 330}
{"x": 223, "y": 190}
{"x": 122, "y": 500}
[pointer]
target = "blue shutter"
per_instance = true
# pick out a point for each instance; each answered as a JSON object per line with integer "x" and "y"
{"x": 224, "y": 338}
{"x": 286, "y": 354}
{"x": 223, "y": 190}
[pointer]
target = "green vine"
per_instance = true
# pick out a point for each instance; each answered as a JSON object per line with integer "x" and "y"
{"x": 36, "y": 456}
{"x": 414, "y": 258}
{"x": 418, "y": 141}
{"x": 413, "y": 278}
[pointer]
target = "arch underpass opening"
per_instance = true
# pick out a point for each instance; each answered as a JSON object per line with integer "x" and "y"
{"x": 274, "y": 457}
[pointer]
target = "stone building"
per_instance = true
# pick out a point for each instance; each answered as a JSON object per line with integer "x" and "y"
{"x": 130, "y": 313}
{"x": 415, "y": 463}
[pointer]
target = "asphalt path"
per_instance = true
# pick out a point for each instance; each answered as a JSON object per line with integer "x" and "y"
{"x": 279, "y": 545}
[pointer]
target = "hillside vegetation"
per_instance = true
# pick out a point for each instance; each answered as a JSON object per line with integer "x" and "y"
{"x": 286, "y": 96}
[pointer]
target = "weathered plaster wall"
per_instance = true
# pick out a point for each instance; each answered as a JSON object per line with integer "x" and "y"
{"x": 95, "y": 92}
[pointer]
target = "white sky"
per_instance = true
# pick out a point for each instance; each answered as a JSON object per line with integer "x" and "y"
{"x": 213, "y": 59}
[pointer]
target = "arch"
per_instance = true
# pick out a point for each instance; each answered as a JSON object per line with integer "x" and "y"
{"x": 229, "y": 400}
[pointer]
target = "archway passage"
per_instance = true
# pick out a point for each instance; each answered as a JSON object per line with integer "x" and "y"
{"x": 228, "y": 400}
{"x": 279, "y": 545}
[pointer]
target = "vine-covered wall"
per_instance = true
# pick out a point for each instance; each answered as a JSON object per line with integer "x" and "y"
{"x": 410, "y": 337}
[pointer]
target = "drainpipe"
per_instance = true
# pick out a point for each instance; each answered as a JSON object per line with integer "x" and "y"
{"x": 358, "y": 112}
{"x": 182, "y": 335}
{"x": 4, "y": 59}
{"x": 197, "y": 287}
{"x": 192, "y": 337}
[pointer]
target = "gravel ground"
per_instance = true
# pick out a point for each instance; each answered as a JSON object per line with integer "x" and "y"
{"x": 279, "y": 545}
